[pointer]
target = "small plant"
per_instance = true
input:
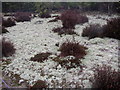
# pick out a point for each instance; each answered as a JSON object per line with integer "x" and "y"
{"x": 93, "y": 31}
{"x": 22, "y": 16}
{"x": 40, "y": 57}
{"x": 39, "y": 84}
{"x": 64, "y": 31}
{"x": 7, "y": 48}
{"x": 8, "y": 22}
{"x": 105, "y": 78}
{"x": 112, "y": 29}
{"x": 74, "y": 49}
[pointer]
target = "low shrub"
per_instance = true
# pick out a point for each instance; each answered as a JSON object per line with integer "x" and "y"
{"x": 93, "y": 31}
{"x": 39, "y": 84}
{"x": 112, "y": 29}
{"x": 3, "y": 30}
{"x": 8, "y": 22}
{"x": 69, "y": 62}
{"x": 22, "y": 16}
{"x": 7, "y": 48}
{"x": 72, "y": 48}
{"x": 45, "y": 15}
{"x": 60, "y": 31}
{"x": 82, "y": 19}
{"x": 40, "y": 57}
{"x": 69, "y": 19}
{"x": 105, "y": 78}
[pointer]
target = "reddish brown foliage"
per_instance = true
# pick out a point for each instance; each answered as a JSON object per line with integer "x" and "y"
{"x": 39, "y": 84}
{"x": 3, "y": 30}
{"x": 112, "y": 29}
{"x": 74, "y": 49}
{"x": 93, "y": 31}
{"x": 106, "y": 78}
{"x": 8, "y": 22}
{"x": 69, "y": 63}
{"x": 69, "y": 19}
{"x": 82, "y": 19}
{"x": 40, "y": 57}
{"x": 45, "y": 15}
{"x": 64, "y": 31}
{"x": 7, "y": 48}
{"x": 22, "y": 16}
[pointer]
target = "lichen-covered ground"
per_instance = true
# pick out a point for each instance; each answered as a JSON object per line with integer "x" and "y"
{"x": 31, "y": 38}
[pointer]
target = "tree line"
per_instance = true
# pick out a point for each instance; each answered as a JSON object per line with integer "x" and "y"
{"x": 41, "y": 7}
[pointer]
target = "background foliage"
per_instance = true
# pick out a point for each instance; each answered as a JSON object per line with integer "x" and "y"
{"x": 49, "y": 6}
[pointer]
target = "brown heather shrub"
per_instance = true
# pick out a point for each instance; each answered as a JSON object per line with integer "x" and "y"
{"x": 39, "y": 84}
{"x": 72, "y": 48}
{"x": 8, "y": 22}
{"x": 40, "y": 57}
{"x": 60, "y": 31}
{"x": 3, "y": 30}
{"x": 69, "y": 62}
{"x": 82, "y": 19}
{"x": 45, "y": 15}
{"x": 112, "y": 29}
{"x": 105, "y": 78}
{"x": 69, "y": 19}
{"x": 7, "y": 48}
{"x": 22, "y": 16}
{"x": 93, "y": 31}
